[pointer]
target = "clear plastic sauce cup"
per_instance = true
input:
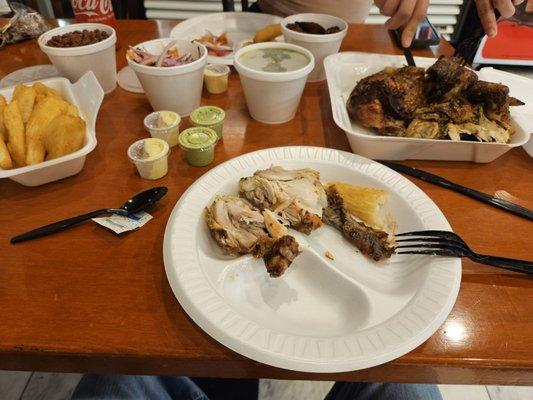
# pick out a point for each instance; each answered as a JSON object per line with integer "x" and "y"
{"x": 216, "y": 78}
{"x": 150, "y": 156}
{"x": 164, "y": 125}
{"x": 210, "y": 117}
{"x": 198, "y": 144}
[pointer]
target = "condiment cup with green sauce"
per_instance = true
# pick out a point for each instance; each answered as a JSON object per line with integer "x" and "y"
{"x": 210, "y": 117}
{"x": 164, "y": 125}
{"x": 198, "y": 143}
{"x": 150, "y": 156}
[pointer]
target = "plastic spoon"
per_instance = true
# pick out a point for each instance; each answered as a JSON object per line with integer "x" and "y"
{"x": 134, "y": 205}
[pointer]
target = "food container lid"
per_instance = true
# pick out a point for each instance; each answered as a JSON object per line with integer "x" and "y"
{"x": 207, "y": 115}
{"x": 148, "y": 150}
{"x": 172, "y": 118}
{"x": 216, "y": 70}
{"x": 198, "y": 138}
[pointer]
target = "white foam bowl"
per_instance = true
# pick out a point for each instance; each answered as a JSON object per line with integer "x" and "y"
{"x": 178, "y": 88}
{"x": 320, "y": 45}
{"x": 273, "y": 97}
{"x": 87, "y": 95}
{"x": 74, "y": 62}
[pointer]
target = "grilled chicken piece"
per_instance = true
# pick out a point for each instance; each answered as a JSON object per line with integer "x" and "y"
{"x": 447, "y": 101}
{"x": 360, "y": 214}
{"x": 447, "y": 79}
{"x": 458, "y": 119}
{"x": 235, "y": 225}
{"x": 457, "y": 110}
{"x": 384, "y": 100}
{"x": 297, "y": 196}
{"x": 494, "y": 98}
{"x": 240, "y": 228}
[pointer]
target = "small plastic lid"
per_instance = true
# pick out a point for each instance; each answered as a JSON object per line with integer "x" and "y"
{"x": 150, "y": 121}
{"x": 197, "y": 138}
{"x": 207, "y": 115}
{"x": 137, "y": 152}
{"x": 216, "y": 69}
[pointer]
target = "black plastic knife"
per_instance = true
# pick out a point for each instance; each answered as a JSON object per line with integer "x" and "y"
{"x": 483, "y": 197}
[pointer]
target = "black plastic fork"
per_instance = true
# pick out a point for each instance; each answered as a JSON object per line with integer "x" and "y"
{"x": 449, "y": 244}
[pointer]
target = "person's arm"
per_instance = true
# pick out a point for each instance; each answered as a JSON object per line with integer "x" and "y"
{"x": 403, "y": 13}
{"x": 485, "y": 10}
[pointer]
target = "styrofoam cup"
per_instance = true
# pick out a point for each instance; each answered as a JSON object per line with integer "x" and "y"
{"x": 74, "y": 62}
{"x": 273, "y": 97}
{"x": 178, "y": 88}
{"x": 320, "y": 45}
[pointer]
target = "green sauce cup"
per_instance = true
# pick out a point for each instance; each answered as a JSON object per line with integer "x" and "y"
{"x": 198, "y": 143}
{"x": 209, "y": 117}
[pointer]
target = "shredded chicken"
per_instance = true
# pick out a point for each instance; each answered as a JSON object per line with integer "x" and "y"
{"x": 297, "y": 196}
{"x": 239, "y": 228}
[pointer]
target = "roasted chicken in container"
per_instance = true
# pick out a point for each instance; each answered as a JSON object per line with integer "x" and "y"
{"x": 297, "y": 196}
{"x": 240, "y": 228}
{"x": 446, "y": 101}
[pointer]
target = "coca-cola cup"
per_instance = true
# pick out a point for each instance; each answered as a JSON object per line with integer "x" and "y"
{"x": 99, "y": 11}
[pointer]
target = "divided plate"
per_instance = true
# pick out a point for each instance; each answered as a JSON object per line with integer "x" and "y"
{"x": 322, "y": 315}
{"x": 240, "y": 26}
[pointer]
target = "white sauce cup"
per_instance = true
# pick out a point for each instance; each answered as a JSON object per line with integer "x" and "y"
{"x": 169, "y": 134}
{"x": 273, "y": 97}
{"x": 150, "y": 167}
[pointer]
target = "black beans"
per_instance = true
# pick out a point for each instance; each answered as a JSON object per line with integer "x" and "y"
{"x": 78, "y": 38}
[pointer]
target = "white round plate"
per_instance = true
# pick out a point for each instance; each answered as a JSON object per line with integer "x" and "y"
{"x": 322, "y": 315}
{"x": 29, "y": 74}
{"x": 127, "y": 80}
{"x": 240, "y": 26}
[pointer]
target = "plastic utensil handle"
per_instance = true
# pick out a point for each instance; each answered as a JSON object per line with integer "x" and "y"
{"x": 443, "y": 182}
{"x": 512, "y": 264}
{"x": 57, "y": 226}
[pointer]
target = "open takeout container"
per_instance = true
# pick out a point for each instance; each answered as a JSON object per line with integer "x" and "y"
{"x": 87, "y": 95}
{"x": 344, "y": 70}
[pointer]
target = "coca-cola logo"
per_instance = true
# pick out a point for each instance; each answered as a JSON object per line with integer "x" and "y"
{"x": 92, "y": 7}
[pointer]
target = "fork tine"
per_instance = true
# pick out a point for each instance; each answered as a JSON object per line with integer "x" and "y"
{"x": 431, "y": 233}
{"x": 449, "y": 240}
{"x": 442, "y": 253}
{"x": 424, "y": 239}
{"x": 444, "y": 246}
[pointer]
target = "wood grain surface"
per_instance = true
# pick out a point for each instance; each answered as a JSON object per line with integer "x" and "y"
{"x": 86, "y": 300}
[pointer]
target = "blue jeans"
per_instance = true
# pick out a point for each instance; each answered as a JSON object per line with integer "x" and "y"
{"x": 126, "y": 387}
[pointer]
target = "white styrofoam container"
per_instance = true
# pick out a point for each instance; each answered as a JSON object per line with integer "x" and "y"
{"x": 273, "y": 97}
{"x": 521, "y": 88}
{"x": 344, "y": 70}
{"x": 87, "y": 95}
{"x": 74, "y": 62}
{"x": 320, "y": 45}
{"x": 177, "y": 88}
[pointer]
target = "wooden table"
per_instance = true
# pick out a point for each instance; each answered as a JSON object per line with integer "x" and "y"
{"x": 87, "y": 300}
